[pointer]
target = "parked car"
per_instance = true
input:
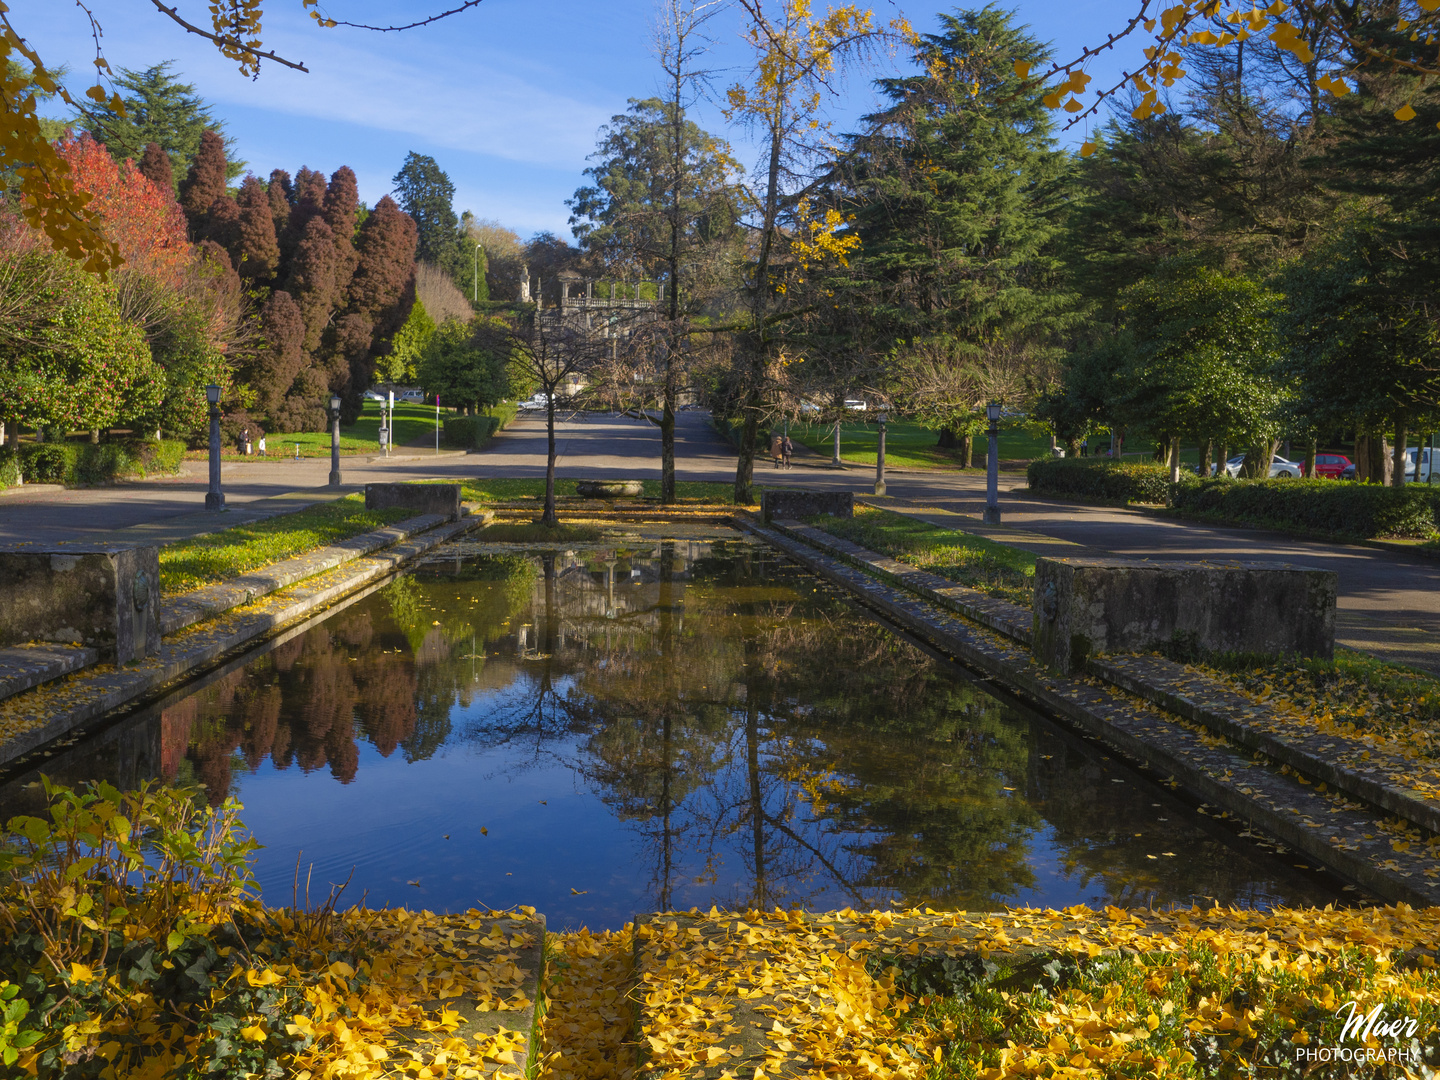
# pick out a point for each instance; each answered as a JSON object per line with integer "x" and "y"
{"x": 373, "y": 395}
{"x": 1331, "y": 466}
{"x": 412, "y": 395}
{"x": 1280, "y": 468}
{"x": 855, "y": 405}
{"x": 538, "y": 403}
{"x": 1350, "y": 472}
{"x": 1426, "y": 468}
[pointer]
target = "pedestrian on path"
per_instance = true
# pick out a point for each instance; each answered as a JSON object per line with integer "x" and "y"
{"x": 262, "y": 445}
{"x": 777, "y": 449}
{"x": 786, "y": 449}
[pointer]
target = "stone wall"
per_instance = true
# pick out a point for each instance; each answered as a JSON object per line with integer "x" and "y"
{"x": 1084, "y": 607}
{"x": 102, "y": 596}
{"x": 421, "y": 498}
{"x": 792, "y": 504}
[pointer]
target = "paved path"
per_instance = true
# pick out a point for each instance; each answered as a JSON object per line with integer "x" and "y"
{"x": 1389, "y": 602}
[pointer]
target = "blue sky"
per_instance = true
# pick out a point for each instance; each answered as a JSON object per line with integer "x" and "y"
{"x": 506, "y": 97}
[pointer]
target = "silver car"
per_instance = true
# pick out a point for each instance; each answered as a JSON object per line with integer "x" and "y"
{"x": 1279, "y": 467}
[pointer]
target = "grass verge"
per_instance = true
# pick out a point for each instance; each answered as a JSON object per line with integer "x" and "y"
{"x": 530, "y": 532}
{"x": 502, "y": 489}
{"x": 994, "y": 569}
{"x": 205, "y": 560}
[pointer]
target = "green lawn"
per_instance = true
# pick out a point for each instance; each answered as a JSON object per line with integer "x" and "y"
{"x": 495, "y": 489}
{"x": 996, "y": 569}
{"x": 204, "y": 560}
{"x": 908, "y": 445}
{"x": 413, "y": 423}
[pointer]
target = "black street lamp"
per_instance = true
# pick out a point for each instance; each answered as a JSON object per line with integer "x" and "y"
{"x": 334, "y": 440}
{"x": 214, "y": 498}
{"x": 880, "y": 459}
{"x": 992, "y": 466}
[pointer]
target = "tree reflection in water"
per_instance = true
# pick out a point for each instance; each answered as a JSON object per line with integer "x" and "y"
{"x": 764, "y": 742}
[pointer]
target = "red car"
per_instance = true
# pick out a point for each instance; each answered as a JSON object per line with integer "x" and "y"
{"x": 1330, "y": 466}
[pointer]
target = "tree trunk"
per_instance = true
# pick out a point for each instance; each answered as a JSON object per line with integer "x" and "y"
{"x": 1398, "y": 460}
{"x": 1310, "y": 452}
{"x": 1174, "y": 455}
{"x": 549, "y": 518}
{"x": 947, "y": 440}
{"x": 745, "y": 467}
{"x": 1203, "y": 469}
{"x": 667, "y": 428}
{"x": 1072, "y": 446}
{"x": 967, "y": 450}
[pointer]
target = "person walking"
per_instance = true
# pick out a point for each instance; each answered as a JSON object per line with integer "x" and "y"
{"x": 776, "y": 448}
{"x": 786, "y": 449}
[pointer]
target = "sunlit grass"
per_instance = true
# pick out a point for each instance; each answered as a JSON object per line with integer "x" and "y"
{"x": 989, "y": 567}
{"x": 509, "y": 489}
{"x": 204, "y": 560}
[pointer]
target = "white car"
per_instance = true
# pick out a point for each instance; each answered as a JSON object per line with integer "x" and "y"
{"x": 373, "y": 395}
{"x": 412, "y": 395}
{"x": 538, "y": 403}
{"x": 1279, "y": 467}
{"x": 855, "y": 405}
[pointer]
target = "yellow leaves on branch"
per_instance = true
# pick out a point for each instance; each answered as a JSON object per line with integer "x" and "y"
{"x": 1292, "y": 25}
{"x": 821, "y": 240}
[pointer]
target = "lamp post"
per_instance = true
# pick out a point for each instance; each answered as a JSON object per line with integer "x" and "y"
{"x": 334, "y": 440}
{"x": 880, "y": 459}
{"x": 214, "y": 498}
{"x": 992, "y": 466}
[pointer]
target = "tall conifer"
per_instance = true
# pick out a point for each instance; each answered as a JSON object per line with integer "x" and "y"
{"x": 204, "y": 182}
{"x": 155, "y": 167}
{"x": 259, "y": 251}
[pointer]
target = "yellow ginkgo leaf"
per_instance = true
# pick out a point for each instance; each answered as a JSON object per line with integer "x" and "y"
{"x": 1086, "y": 149}
{"x": 1405, "y": 112}
{"x": 262, "y": 978}
{"x": 253, "y": 1033}
{"x": 81, "y": 973}
{"x": 1073, "y": 106}
{"x": 1022, "y": 68}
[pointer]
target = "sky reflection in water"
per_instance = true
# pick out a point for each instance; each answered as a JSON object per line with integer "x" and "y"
{"x": 611, "y": 732}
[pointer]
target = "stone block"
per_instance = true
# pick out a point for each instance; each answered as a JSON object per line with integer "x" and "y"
{"x": 608, "y": 489}
{"x": 1085, "y": 607}
{"x": 443, "y": 499}
{"x": 104, "y": 597}
{"x": 792, "y": 504}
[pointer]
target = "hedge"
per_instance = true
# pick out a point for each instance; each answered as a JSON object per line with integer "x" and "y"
{"x": 473, "y": 432}
{"x": 76, "y": 463}
{"x": 1333, "y": 507}
{"x": 1330, "y": 507}
{"x": 1099, "y": 478}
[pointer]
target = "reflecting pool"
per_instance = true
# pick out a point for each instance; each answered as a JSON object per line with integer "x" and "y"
{"x": 618, "y": 729}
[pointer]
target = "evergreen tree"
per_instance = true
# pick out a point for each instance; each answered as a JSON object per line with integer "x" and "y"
{"x": 159, "y": 109}
{"x": 312, "y": 279}
{"x": 426, "y": 194}
{"x": 342, "y": 200}
{"x": 257, "y": 247}
{"x": 280, "y": 190}
{"x": 959, "y": 190}
{"x": 155, "y": 167}
{"x": 222, "y": 225}
{"x": 385, "y": 246}
{"x": 307, "y": 199}
{"x": 204, "y": 182}
{"x": 401, "y": 363}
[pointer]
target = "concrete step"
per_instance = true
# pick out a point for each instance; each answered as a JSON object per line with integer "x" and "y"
{"x": 23, "y": 667}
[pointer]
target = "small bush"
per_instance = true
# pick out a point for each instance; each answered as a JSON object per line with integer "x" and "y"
{"x": 98, "y": 463}
{"x": 1353, "y": 510}
{"x": 1097, "y": 478}
{"x": 469, "y": 432}
{"x": 9, "y": 468}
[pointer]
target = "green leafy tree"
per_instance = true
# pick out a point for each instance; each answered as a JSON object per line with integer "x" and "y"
{"x": 426, "y": 194}
{"x": 959, "y": 190}
{"x": 462, "y": 366}
{"x": 402, "y": 363}
{"x": 159, "y": 109}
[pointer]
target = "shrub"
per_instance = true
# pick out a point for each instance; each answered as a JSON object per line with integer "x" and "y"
{"x": 469, "y": 432}
{"x": 1097, "y": 478}
{"x": 9, "y": 468}
{"x": 97, "y": 463}
{"x": 1324, "y": 506}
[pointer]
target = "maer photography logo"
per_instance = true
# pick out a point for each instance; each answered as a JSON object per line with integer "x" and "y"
{"x": 1374, "y": 1038}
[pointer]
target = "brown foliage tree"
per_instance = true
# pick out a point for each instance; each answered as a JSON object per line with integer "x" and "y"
{"x": 155, "y": 167}
{"x": 204, "y": 183}
{"x": 386, "y": 249}
{"x": 257, "y": 248}
{"x": 312, "y": 279}
{"x": 282, "y": 356}
{"x": 221, "y": 224}
{"x": 280, "y": 190}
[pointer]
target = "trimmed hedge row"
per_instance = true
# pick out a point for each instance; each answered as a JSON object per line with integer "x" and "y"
{"x": 473, "y": 432}
{"x": 1323, "y": 506}
{"x": 1100, "y": 478}
{"x": 76, "y": 463}
{"x": 1331, "y": 507}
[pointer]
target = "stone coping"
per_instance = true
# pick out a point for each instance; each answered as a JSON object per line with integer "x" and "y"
{"x": 1348, "y": 836}
{"x": 205, "y": 603}
{"x": 37, "y": 716}
{"x": 25, "y": 666}
{"x": 1386, "y": 782}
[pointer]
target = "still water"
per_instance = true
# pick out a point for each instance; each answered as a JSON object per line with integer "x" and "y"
{"x": 609, "y": 730}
